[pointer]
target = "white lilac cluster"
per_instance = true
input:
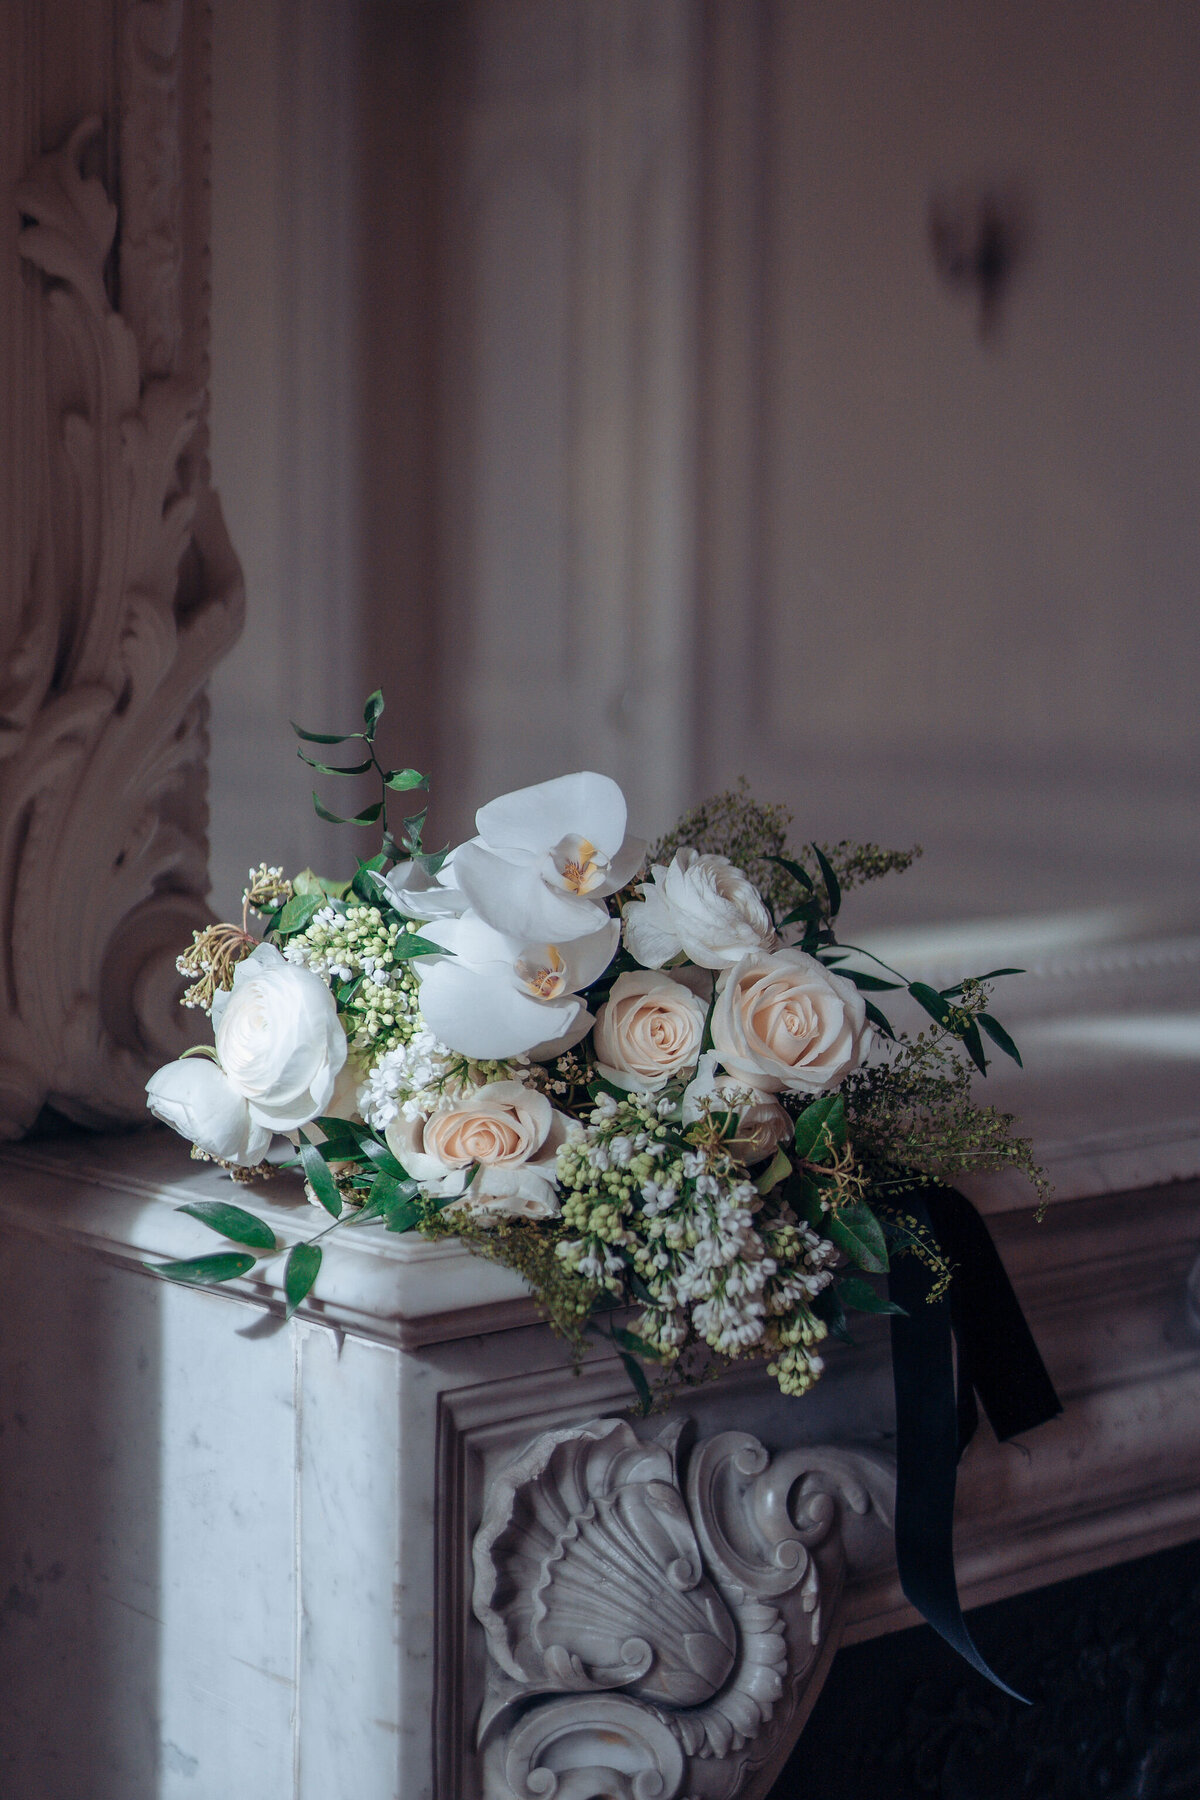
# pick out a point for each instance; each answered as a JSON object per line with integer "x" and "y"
{"x": 647, "y": 1194}
{"x": 353, "y": 943}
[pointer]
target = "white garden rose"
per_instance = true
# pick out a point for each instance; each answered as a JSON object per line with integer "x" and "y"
{"x": 649, "y": 1029}
{"x": 762, "y": 1123}
{"x": 509, "y": 1130}
{"x": 198, "y": 1100}
{"x": 701, "y": 905}
{"x": 279, "y": 1039}
{"x": 783, "y": 1020}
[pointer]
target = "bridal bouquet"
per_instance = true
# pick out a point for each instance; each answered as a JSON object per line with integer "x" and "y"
{"x": 653, "y": 1081}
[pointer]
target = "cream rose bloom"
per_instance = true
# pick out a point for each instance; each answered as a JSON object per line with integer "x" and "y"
{"x": 783, "y": 1020}
{"x": 762, "y": 1124}
{"x": 649, "y": 1029}
{"x": 701, "y": 905}
{"x": 511, "y": 1131}
{"x": 279, "y": 1039}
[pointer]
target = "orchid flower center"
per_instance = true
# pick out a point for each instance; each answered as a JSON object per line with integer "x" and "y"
{"x": 545, "y": 979}
{"x": 576, "y": 865}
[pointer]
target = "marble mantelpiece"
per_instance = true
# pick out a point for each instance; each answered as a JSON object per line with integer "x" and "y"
{"x": 237, "y": 1553}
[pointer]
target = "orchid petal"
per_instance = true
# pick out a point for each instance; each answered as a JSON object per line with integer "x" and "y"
{"x": 513, "y": 899}
{"x": 479, "y": 1012}
{"x": 537, "y": 818}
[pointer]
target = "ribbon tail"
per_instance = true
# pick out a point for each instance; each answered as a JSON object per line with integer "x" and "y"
{"x": 934, "y": 1420}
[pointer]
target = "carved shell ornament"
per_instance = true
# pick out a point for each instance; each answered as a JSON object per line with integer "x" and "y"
{"x": 694, "y": 1608}
{"x": 132, "y": 596}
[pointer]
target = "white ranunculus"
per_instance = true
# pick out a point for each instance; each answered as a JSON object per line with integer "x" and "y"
{"x": 511, "y": 1131}
{"x": 702, "y": 906}
{"x": 494, "y": 996}
{"x": 198, "y": 1100}
{"x": 649, "y": 1029}
{"x": 783, "y": 1020}
{"x": 762, "y": 1124}
{"x": 279, "y": 1039}
{"x": 545, "y": 858}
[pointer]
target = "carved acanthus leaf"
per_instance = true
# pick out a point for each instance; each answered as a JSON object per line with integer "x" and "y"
{"x": 133, "y": 596}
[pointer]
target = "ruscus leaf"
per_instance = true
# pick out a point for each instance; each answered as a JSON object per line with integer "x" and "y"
{"x": 319, "y": 1178}
{"x": 372, "y": 713}
{"x": 832, "y": 885}
{"x": 334, "y": 768}
{"x": 404, "y": 780}
{"x": 206, "y": 1271}
{"x": 300, "y": 1271}
{"x": 1000, "y": 1037}
{"x": 367, "y": 816}
{"x": 323, "y": 737}
{"x": 232, "y": 1222}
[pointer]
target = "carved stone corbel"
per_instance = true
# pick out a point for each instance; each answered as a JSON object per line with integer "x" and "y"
{"x": 656, "y": 1631}
{"x": 131, "y": 597}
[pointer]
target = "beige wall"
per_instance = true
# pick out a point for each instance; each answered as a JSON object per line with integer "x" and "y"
{"x": 676, "y": 457}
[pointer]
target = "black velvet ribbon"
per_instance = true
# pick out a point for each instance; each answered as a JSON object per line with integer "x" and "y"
{"x": 935, "y": 1417}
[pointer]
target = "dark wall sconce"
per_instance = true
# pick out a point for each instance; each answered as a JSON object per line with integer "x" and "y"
{"x": 979, "y": 237}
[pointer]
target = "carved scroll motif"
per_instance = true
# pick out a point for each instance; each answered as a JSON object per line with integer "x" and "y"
{"x": 133, "y": 597}
{"x": 652, "y": 1635}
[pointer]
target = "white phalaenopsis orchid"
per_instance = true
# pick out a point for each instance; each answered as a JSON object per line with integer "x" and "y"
{"x": 546, "y": 857}
{"x": 495, "y": 996}
{"x": 418, "y": 895}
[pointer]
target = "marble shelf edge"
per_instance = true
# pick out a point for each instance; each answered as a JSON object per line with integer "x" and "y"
{"x": 119, "y": 1195}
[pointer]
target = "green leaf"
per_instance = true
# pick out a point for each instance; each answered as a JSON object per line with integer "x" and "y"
{"x": 309, "y": 882}
{"x": 232, "y": 1222}
{"x": 932, "y": 1001}
{"x": 854, "y": 1291}
{"x": 367, "y": 816}
{"x": 832, "y": 886}
{"x": 404, "y": 780}
{"x": 410, "y": 943}
{"x": 641, "y": 1386}
{"x": 300, "y": 1271}
{"x": 636, "y": 1346}
{"x": 335, "y": 768}
{"x": 869, "y": 984}
{"x": 777, "y": 1170}
{"x": 828, "y": 1306}
{"x": 806, "y": 1198}
{"x": 387, "y": 1197}
{"x": 880, "y": 1020}
{"x": 855, "y": 1229}
{"x": 995, "y": 974}
{"x": 821, "y": 1128}
{"x": 372, "y": 713}
{"x": 316, "y": 1171}
{"x": 299, "y": 912}
{"x": 206, "y": 1271}
{"x": 323, "y": 737}
{"x": 794, "y": 870}
{"x": 405, "y": 1217}
{"x": 383, "y": 1159}
{"x": 973, "y": 1045}
{"x": 414, "y": 825}
{"x": 1000, "y": 1037}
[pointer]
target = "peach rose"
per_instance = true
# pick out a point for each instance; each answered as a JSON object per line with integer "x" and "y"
{"x": 649, "y": 1029}
{"x": 783, "y": 1020}
{"x": 509, "y": 1130}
